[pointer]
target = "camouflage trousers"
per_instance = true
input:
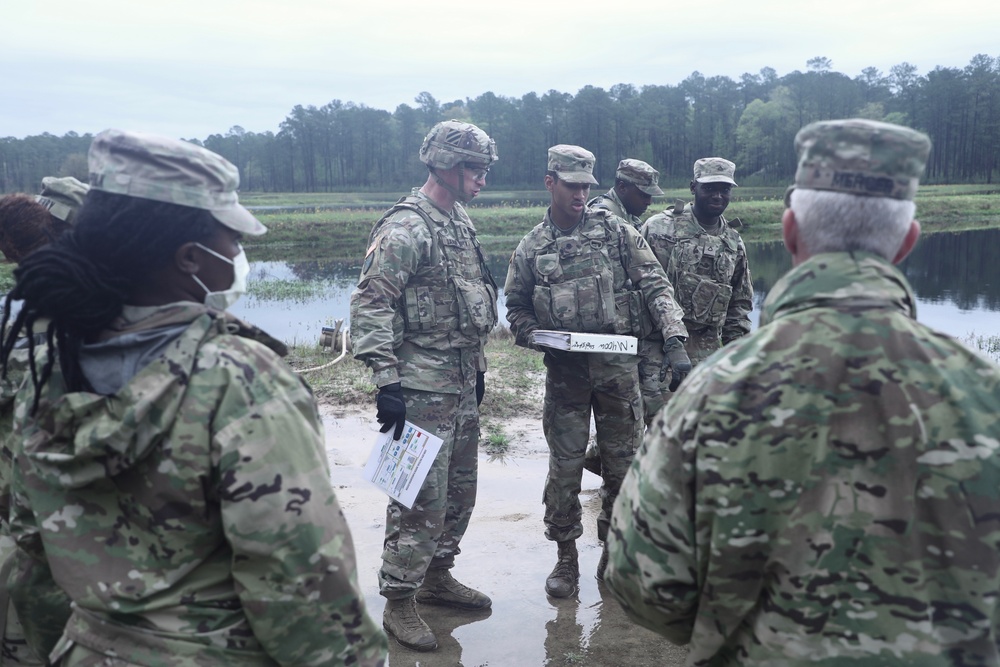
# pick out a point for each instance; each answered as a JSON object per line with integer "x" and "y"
{"x": 428, "y": 534}
{"x": 575, "y": 385}
{"x": 15, "y": 650}
{"x": 699, "y": 346}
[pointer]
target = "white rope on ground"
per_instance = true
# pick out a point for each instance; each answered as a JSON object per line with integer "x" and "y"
{"x": 343, "y": 353}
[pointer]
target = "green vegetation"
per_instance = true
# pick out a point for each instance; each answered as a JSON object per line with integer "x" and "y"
{"x": 7, "y": 276}
{"x": 494, "y": 440}
{"x": 988, "y": 345}
{"x": 329, "y": 232}
{"x": 272, "y": 289}
{"x": 351, "y": 148}
{"x": 348, "y": 382}
{"x": 515, "y": 379}
{"x": 514, "y": 384}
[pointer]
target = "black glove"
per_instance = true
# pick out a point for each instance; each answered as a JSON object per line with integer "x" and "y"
{"x": 676, "y": 361}
{"x": 391, "y": 409}
{"x": 480, "y": 386}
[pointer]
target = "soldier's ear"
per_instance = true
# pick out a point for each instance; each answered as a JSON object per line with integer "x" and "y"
{"x": 790, "y": 235}
{"x": 187, "y": 258}
{"x": 549, "y": 182}
{"x": 910, "y": 240}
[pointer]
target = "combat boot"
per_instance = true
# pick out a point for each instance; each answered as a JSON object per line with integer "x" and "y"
{"x": 602, "y": 564}
{"x": 565, "y": 577}
{"x": 401, "y": 620}
{"x": 441, "y": 588}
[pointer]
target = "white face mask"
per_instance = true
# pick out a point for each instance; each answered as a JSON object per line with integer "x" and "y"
{"x": 226, "y": 298}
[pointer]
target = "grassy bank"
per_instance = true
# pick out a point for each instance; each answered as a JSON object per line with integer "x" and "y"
{"x": 341, "y": 231}
{"x": 514, "y": 384}
{"x": 307, "y": 226}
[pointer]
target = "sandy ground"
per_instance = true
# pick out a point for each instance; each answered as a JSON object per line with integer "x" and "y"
{"x": 505, "y": 555}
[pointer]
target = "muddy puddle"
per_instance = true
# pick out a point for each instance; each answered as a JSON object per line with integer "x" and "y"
{"x": 505, "y": 555}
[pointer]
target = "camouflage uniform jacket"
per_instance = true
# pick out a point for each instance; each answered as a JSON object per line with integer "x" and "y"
{"x": 709, "y": 272}
{"x": 17, "y": 367}
{"x": 610, "y": 201}
{"x": 424, "y": 299}
{"x": 824, "y": 491}
{"x": 599, "y": 277}
{"x": 188, "y": 516}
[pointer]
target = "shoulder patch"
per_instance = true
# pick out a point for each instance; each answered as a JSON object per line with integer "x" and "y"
{"x": 640, "y": 242}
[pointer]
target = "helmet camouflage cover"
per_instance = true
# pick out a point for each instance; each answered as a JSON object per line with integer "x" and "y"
{"x": 452, "y": 141}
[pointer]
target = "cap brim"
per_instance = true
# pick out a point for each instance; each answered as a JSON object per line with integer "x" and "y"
{"x": 716, "y": 179}
{"x": 577, "y": 177}
{"x": 239, "y": 219}
{"x": 652, "y": 190}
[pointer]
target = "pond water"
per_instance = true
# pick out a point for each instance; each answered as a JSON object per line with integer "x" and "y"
{"x": 956, "y": 277}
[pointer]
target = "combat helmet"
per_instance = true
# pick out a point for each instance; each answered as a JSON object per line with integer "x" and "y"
{"x": 452, "y": 142}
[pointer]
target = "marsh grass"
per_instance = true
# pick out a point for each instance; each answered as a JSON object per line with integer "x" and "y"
{"x": 988, "y": 345}
{"x": 296, "y": 291}
{"x": 514, "y": 385}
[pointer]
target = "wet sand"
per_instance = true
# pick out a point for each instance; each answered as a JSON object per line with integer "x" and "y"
{"x": 505, "y": 555}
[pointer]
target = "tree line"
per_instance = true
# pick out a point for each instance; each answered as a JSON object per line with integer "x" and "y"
{"x": 344, "y": 146}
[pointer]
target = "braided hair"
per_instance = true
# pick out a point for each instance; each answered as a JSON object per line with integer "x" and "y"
{"x": 80, "y": 282}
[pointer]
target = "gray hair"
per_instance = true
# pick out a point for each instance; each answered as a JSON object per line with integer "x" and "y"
{"x": 839, "y": 222}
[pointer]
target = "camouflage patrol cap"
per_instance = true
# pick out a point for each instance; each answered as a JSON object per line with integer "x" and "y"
{"x": 639, "y": 174}
{"x": 714, "y": 170}
{"x": 62, "y": 196}
{"x": 148, "y": 166}
{"x": 572, "y": 163}
{"x": 860, "y": 157}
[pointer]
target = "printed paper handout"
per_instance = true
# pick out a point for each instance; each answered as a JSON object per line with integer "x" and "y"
{"x": 399, "y": 467}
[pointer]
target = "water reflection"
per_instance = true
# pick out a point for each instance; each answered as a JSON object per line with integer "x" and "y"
{"x": 445, "y": 624}
{"x": 955, "y": 276}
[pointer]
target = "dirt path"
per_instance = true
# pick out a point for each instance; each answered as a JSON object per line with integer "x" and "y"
{"x": 505, "y": 555}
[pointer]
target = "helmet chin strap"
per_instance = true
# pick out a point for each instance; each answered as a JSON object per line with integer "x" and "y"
{"x": 457, "y": 194}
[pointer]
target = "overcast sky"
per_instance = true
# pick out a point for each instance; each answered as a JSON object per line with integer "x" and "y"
{"x": 191, "y": 68}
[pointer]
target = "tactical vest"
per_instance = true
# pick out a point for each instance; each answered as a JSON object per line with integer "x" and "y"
{"x": 455, "y": 292}
{"x": 701, "y": 268}
{"x": 581, "y": 283}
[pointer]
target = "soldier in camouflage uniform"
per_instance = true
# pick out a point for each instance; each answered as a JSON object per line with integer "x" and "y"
{"x": 706, "y": 262}
{"x": 586, "y": 270}
{"x": 636, "y": 183}
{"x": 419, "y": 319}
{"x": 833, "y": 479}
{"x": 27, "y": 222}
{"x": 169, "y": 477}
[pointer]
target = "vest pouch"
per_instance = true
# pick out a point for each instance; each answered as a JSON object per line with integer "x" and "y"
{"x": 541, "y": 302}
{"x": 477, "y": 307}
{"x": 563, "y": 302}
{"x": 592, "y": 302}
{"x": 548, "y": 267}
{"x": 704, "y": 302}
{"x": 420, "y": 312}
